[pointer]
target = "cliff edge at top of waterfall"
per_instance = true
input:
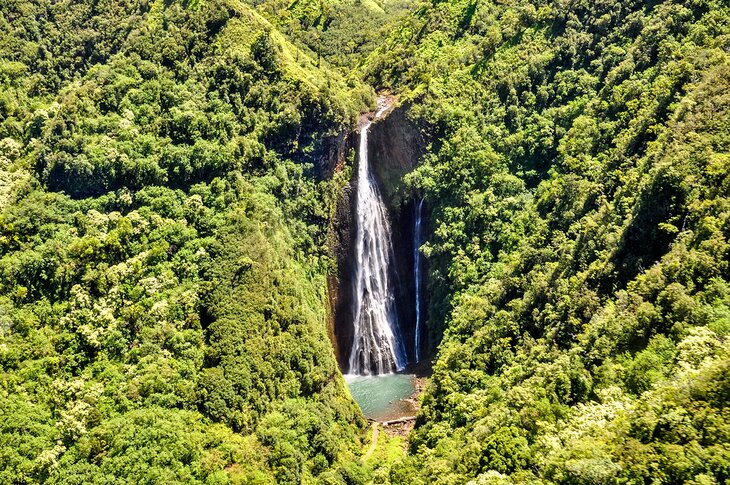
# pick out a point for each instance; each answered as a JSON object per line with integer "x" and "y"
{"x": 384, "y": 104}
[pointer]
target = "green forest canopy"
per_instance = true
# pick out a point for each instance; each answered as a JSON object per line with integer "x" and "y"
{"x": 164, "y": 246}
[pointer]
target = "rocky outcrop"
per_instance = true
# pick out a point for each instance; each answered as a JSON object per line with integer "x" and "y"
{"x": 333, "y": 154}
{"x": 395, "y": 145}
{"x": 341, "y": 236}
{"x": 340, "y": 286}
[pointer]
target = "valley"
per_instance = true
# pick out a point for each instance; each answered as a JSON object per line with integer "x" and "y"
{"x": 344, "y": 242}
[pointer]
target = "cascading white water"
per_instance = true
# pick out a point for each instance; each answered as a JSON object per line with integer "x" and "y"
{"x": 417, "y": 260}
{"x": 377, "y": 347}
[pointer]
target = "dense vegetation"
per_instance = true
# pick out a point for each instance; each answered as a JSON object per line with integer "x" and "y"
{"x": 578, "y": 179}
{"x": 163, "y": 238}
{"x": 343, "y": 32}
{"x": 162, "y": 242}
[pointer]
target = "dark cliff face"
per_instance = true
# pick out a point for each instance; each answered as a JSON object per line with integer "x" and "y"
{"x": 395, "y": 146}
{"x": 332, "y": 153}
{"x": 341, "y": 246}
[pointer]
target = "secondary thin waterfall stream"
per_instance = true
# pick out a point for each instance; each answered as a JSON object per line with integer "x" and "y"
{"x": 417, "y": 261}
{"x": 377, "y": 346}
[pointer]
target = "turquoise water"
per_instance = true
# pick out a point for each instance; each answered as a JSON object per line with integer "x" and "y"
{"x": 383, "y": 397}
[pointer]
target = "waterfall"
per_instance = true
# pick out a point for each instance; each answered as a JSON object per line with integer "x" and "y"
{"x": 417, "y": 262}
{"x": 377, "y": 347}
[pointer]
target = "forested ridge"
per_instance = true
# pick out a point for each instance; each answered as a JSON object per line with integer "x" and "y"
{"x": 166, "y": 204}
{"x": 578, "y": 180}
{"x": 163, "y": 248}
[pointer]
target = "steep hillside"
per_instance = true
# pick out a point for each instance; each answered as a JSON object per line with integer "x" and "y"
{"x": 339, "y": 32}
{"x": 167, "y": 188}
{"x": 162, "y": 248}
{"x": 577, "y": 177}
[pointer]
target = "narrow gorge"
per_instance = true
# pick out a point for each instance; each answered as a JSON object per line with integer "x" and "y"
{"x": 379, "y": 325}
{"x": 378, "y": 346}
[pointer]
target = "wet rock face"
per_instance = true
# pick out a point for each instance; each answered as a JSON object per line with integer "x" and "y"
{"x": 395, "y": 146}
{"x": 341, "y": 285}
{"x": 332, "y": 154}
{"x": 341, "y": 239}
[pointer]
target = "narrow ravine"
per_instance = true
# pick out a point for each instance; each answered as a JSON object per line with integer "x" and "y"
{"x": 380, "y": 354}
